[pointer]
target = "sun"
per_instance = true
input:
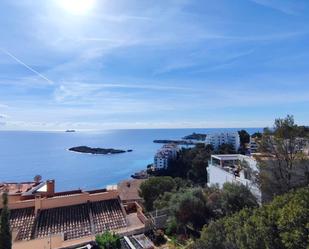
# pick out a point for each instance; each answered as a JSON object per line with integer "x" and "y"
{"x": 77, "y": 7}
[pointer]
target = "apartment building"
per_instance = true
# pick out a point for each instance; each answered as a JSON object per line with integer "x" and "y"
{"x": 164, "y": 155}
{"x": 253, "y": 145}
{"x": 217, "y": 139}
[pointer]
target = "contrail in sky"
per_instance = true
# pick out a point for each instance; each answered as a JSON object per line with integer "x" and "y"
{"x": 25, "y": 65}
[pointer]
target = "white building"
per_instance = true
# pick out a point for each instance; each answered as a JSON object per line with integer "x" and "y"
{"x": 234, "y": 168}
{"x": 217, "y": 139}
{"x": 302, "y": 145}
{"x": 253, "y": 146}
{"x": 163, "y": 156}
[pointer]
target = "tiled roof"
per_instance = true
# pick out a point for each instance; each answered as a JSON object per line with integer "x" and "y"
{"x": 74, "y": 221}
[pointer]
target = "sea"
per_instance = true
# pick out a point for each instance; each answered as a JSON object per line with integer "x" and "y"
{"x": 24, "y": 154}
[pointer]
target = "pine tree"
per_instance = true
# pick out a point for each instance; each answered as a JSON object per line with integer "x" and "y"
{"x": 5, "y": 231}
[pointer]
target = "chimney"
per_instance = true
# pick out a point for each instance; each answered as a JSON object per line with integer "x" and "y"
{"x": 50, "y": 184}
{"x": 37, "y": 204}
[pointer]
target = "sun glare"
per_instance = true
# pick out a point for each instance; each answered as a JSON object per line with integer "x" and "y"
{"x": 77, "y": 7}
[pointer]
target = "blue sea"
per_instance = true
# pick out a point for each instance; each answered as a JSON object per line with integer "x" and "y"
{"x": 24, "y": 154}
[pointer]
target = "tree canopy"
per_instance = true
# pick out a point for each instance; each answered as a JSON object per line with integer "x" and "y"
{"x": 244, "y": 137}
{"x": 152, "y": 188}
{"x": 257, "y": 135}
{"x": 284, "y": 223}
{"x": 195, "y": 207}
{"x": 226, "y": 149}
{"x": 190, "y": 164}
{"x": 235, "y": 197}
{"x": 108, "y": 240}
{"x": 283, "y": 165}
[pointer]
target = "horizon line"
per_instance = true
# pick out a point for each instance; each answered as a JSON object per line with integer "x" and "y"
{"x": 114, "y": 129}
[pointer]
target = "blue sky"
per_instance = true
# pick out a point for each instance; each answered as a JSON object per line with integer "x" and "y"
{"x": 152, "y": 64}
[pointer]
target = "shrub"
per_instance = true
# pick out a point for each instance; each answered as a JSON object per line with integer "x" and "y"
{"x": 108, "y": 240}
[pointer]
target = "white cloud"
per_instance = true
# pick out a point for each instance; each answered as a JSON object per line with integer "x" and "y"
{"x": 90, "y": 59}
{"x": 96, "y": 91}
{"x": 3, "y": 106}
{"x": 3, "y": 118}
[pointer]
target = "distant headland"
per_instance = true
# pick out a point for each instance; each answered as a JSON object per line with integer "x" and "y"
{"x": 102, "y": 151}
{"x": 179, "y": 142}
{"x": 196, "y": 136}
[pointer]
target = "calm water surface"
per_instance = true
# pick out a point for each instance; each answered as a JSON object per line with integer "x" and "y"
{"x": 24, "y": 154}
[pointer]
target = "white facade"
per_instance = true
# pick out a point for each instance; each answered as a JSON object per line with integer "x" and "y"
{"x": 234, "y": 168}
{"x": 217, "y": 139}
{"x": 253, "y": 145}
{"x": 167, "y": 153}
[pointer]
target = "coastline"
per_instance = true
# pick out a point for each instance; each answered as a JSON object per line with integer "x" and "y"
{"x": 45, "y": 153}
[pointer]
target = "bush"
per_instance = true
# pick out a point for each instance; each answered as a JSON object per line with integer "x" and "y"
{"x": 108, "y": 240}
{"x": 151, "y": 189}
{"x": 284, "y": 224}
{"x": 159, "y": 238}
{"x": 235, "y": 197}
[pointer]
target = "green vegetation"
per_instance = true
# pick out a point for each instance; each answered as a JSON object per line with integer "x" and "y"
{"x": 257, "y": 135}
{"x": 230, "y": 218}
{"x": 159, "y": 237}
{"x": 190, "y": 164}
{"x": 108, "y": 240}
{"x": 286, "y": 128}
{"x": 196, "y": 136}
{"x": 192, "y": 208}
{"x": 283, "y": 165}
{"x": 235, "y": 197}
{"x": 226, "y": 149}
{"x": 188, "y": 208}
{"x": 284, "y": 223}
{"x": 5, "y": 231}
{"x": 244, "y": 140}
{"x": 244, "y": 137}
{"x": 151, "y": 189}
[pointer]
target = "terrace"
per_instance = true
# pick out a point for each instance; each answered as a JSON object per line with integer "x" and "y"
{"x": 233, "y": 168}
{"x": 136, "y": 242}
{"x": 238, "y": 165}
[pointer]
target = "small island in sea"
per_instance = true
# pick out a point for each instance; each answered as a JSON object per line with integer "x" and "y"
{"x": 102, "y": 151}
{"x": 70, "y": 131}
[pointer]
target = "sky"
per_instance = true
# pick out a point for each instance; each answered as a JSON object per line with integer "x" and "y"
{"x": 101, "y": 64}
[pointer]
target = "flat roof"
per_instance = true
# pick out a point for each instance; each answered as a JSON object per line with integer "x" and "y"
{"x": 226, "y": 157}
{"x": 128, "y": 189}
